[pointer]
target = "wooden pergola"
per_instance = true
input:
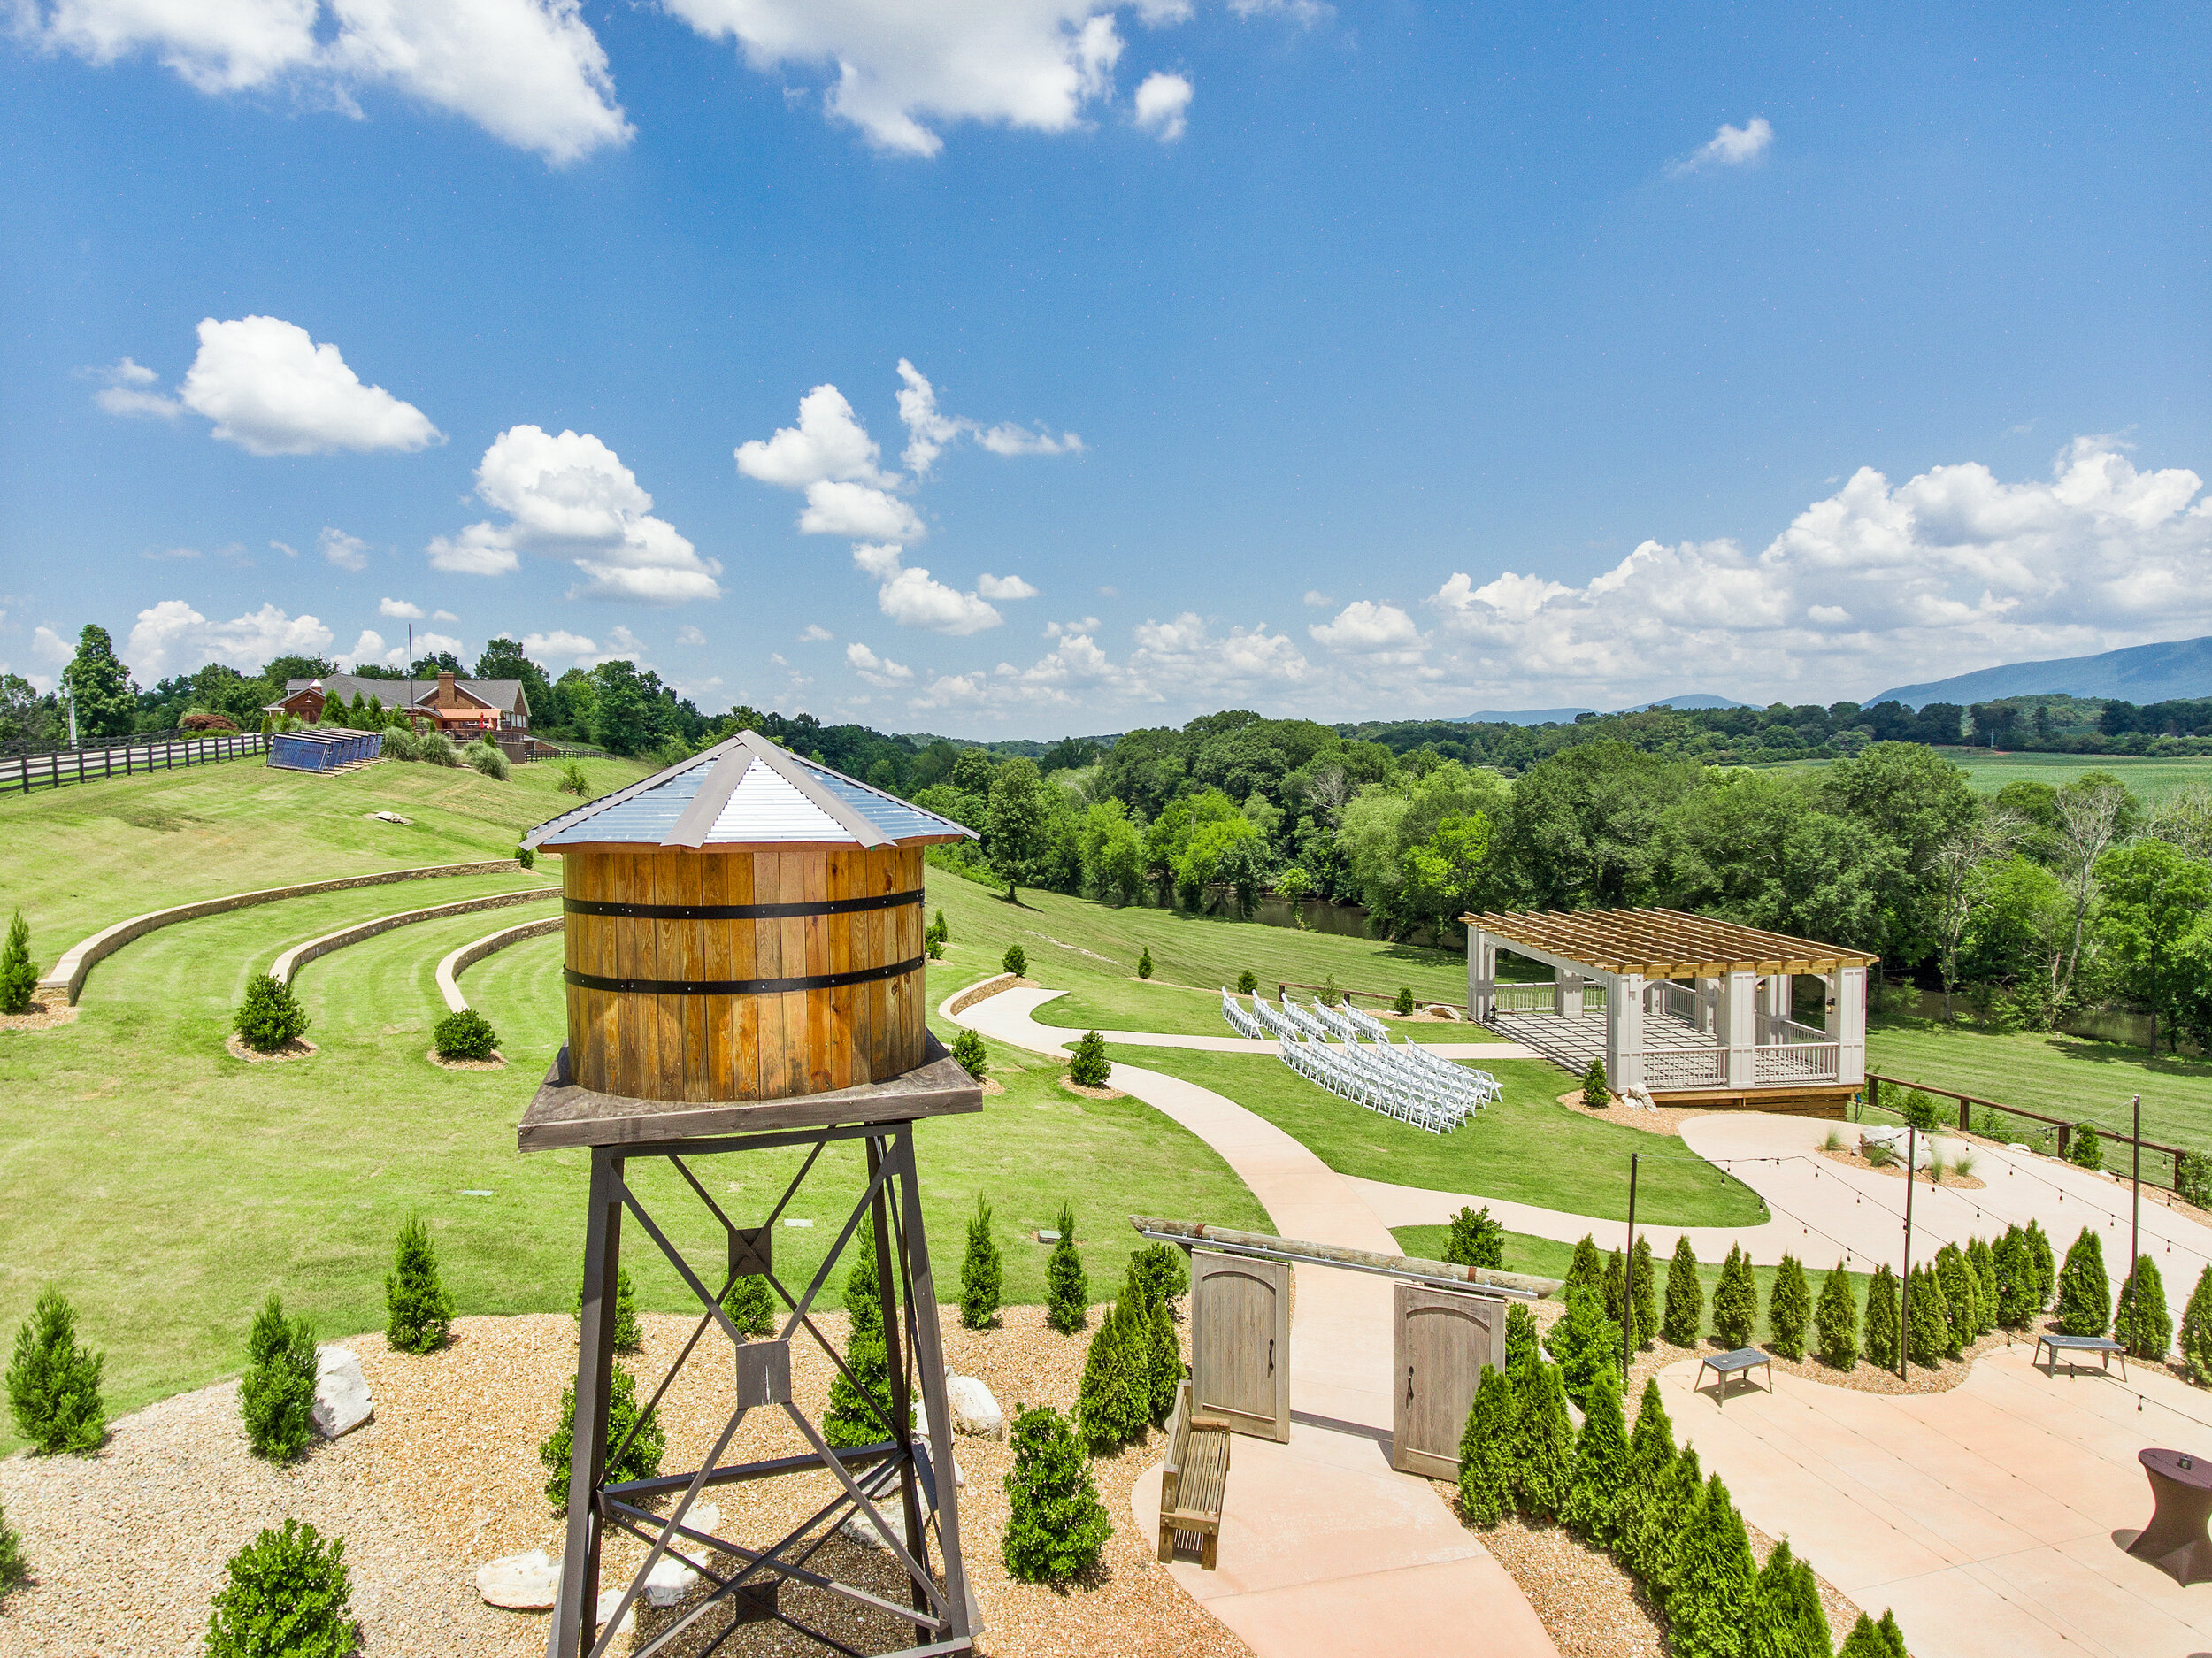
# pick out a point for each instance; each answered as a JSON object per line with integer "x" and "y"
{"x": 1697, "y": 1009}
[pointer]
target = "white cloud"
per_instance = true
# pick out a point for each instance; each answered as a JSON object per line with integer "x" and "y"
{"x": 431, "y": 644}
{"x": 530, "y": 73}
{"x": 1183, "y": 660}
{"x": 829, "y": 442}
{"x": 172, "y": 637}
{"x": 1318, "y": 600}
{"x": 571, "y": 497}
{"x": 443, "y": 615}
{"x": 128, "y": 391}
{"x": 1162, "y": 103}
{"x": 993, "y": 586}
{"x": 1363, "y": 626}
{"x": 928, "y": 430}
{"x": 347, "y": 552}
{"x": 49, "y": 646}
{"x": 369, "y": 648}
{"x": 559, "y": 645}
{"x": 160, "y": 555}
{"x": 1032, "y": 64}
{"x": 856, "y": 510}
{"x": 288, "y": 551}
{"x": 1013, "y": 440}
{"x": 877, "y": 671}
{"x": 912, "y": 598}
{"x": 689, "y": 635}
{"x": 400, "y": 608}
{"x": 1055, "y": 630}
{"x": 272, "y": 390}
{"x": 1730, "y": 146}
{"x": 814, "y": 635}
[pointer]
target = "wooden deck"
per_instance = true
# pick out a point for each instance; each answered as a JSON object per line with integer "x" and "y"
{"x": 1572, "y": 1043}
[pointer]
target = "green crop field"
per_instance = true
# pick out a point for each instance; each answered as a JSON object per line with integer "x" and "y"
{"x": 2152, "y": 780}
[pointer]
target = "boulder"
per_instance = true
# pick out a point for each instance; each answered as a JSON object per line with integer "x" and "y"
{"x": 671, "y": 1580}
{"x": 858, "y": 1528}
{"x": 609, "y": 1599}
{"x": 342, "y": 1392}
{"x": 521, "y": 1583}
{"x": 921, "y": 1433}
{"x": 973, "y": 1410}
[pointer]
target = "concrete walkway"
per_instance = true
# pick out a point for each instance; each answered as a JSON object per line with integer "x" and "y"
{"x": 1323, "y": 1548}
{"x": 1993, "y": 1518}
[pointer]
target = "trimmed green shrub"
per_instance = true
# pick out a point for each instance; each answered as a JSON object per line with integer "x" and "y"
{"x": 1165, "y": 1360}
{"x": 417, "y": 1312}
{"x": 1596, "y": 1095}
{"x": 1600, "y": 1469}
{"x": 270, "y": 1015}
{"x": 573, "y": 780}
{"x": 1788, "y": 1620}
{"x": 2193, "y": 1178}
{"x": 1956, "y": 1281}
{"x": 1685, "y": 1297}
{"x": 628, "y": 1336}
{"x": 969, "y": 1054}
{"x": 944, "y": 931}
{"x": 54, "y": 1383}
{"x": 1144, "y": 962}
{"x": 15, "y": 1571}
{"x": 1735, "y": 1300}
{"x": 1884, "y": 1334}
{"x": 2044, "y": 1260}
{"x": 1666, "y": 1528}
{"x": 640, "y": 1459}
{"x": 1643, "y": 1293}
{"x": 1586, "y": 1346}
{"x": 487, "y": 759}
{"x": 526, "y": 858}
{"x": 1543, "y": 1440}
{"x": 1927, "y": 1322}
{"x": 1919, "y": 1110}
{"x": 1616, "y": 1286}
{"x": 467, "y": 1034}
{"x": 1016, "y": 961}
{"x": 1838, "y": 1320}
{"x": 2196, "y": 1331}
{"x": 752, "y": 1305}
{"x": 1892, "y": 1637}
{"x": 1113, "y": 1403}
{"x": 1056, "y": 1526}
{"x": 1521, "y": 1343}
{"x": 1486, "y": 1451}
{"x": 1865, "y": 1641}
{"x": 1402, "y": 1003}
{"x": 2141, "y": 1323}
{"x": 277, "y": 1396}
{"x": 1790, "y": 1308}
{"x": 1089, "y": 1067}
{"x": 2085, "y": 1150}
{"x": 2016, "y": 1300}
{"x": 1475, "y": 1239}
{"x": 1587, "y": 1270}
{"x": 17, "y": 977}
{"x": 2085, "y": 1295}
{"x": 1650, "y": 1454}
{"x": 864, "y": 1290}
{"x": 1248, "y": 983}
{"x": 935, "y": 948}
{"x": 1161, "y": 1269}
{"x": 1067, "y": 1291}
{"x": 1710, "y": 1608}
{"x": 982, "y": 1272}
{"x": 1981, "y": 1261}
{"x": 286, "y": 1596}
{"x": 859, "y": 1409}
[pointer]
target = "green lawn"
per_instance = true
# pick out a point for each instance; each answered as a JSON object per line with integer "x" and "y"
{"x": 1549, "y": 1259}
{"x": 2060, "y": 1076}
{"x": 1528, "y": 1148}
{"x": 2151, "y": 780}
{"x": 79, "y": 858}
{"x": 1137, "y": 1004}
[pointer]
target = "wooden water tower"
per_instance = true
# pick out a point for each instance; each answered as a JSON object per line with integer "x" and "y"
{"x": 744, "y": 970}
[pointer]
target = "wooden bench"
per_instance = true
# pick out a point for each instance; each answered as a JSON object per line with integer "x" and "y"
{"x": 1192, "y": 1483}
{"x": 2103, "y": 1347}
{"x": 1724, "y": 1365}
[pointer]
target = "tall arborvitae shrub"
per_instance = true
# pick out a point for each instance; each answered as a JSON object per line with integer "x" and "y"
{"x": 982, "y": 1273}
{"x": 752, "y": 1305}
{"x": 1587, "y": 1346}
{"x": 1956, "y": 1282}
{"x": 1667, "y": 1527}
{"x": 1056, "y": 1526}
{"x": 1521, "y": 1343}
{"x": 1067, "y": 1290}
{"x": 277, "y": 1396}
{"x": 1600, "y": 1469}
{"x": 1643, "y": 1293}
{"x": 1144, "y": 962}
{"x": 1089, "y": 1067}
{"x": 640, "y": 1459}
{"x": 1167, "y": 1361}
{"x": 17, "y": 977}
{"x": 1884, "y": 1334}
{"x": 1587, "y": 1270}
{"x": 1685, "y": 1297}
{"x": 1113, "y": 1404}
{"x": 1617, "y": 1305}
{"x": 286, "y": 1595}
{"x": 1787, "y": 1618}
{"x": 629, "y": 1335}
{"x": 15, "y": 1570}
{"x": 417, "y": 1312}
{"x": 1838, "y": 1320}
{"x": 1475, "y": 1239}
{"x": 54, "y": 1382}
{"x": 1981, "y": 1261}
{"x": 1716, "y": 1588}
{"x": 1016, "y": 961}
{"x": 2045, "y": 1262}
{"x": 1790, "y": 1308}
{"x": 2085, "y": 1295}
{"x": 1486, "y": 1451}
{"x": 2139, "y": 1321}
{"x": 1248, "y": 982}
{"x": 863, "y": 1290}
{"x": 1927, "y": 1323}
{"x": 1736, "y": 1300}
{"x": 860, "y": 1405}
{"x": 2017, "y": 1291}
{"x": 1869, "y": 1639}
{"x": 270, "y": 1015}
{"x": 1650, "y": 1454}
{"x": 1544, "y": 1441}
{"x": 2196, "y": 1331}
{"x": 1596, "y": 1095}
{"x": 1159, "y": 1267}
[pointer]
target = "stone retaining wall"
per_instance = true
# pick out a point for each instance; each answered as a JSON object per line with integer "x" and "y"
{"x": 453, "y": 966}
{"x": 300, "y": 954}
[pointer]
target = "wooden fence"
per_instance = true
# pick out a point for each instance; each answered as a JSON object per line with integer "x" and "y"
{"x": 20, "y": 773}
{"x": 2173, "y": 1155}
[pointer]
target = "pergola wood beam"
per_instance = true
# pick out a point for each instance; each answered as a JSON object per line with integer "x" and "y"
{"x": 1663, "y": 943}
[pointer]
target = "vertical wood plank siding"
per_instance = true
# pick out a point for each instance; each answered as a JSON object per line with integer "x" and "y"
{"x": 649, "y": 1046}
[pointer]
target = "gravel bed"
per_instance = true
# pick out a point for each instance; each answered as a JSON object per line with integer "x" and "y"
{"x": 128, "y": 1544}
{"x": 43, "y": 1015}
{"x": 1664, "y": 1120}
{"x": 1895, "y": 1170}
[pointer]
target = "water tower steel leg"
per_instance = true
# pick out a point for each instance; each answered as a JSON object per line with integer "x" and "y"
{"x": 929, "y": 1356}
{"x": 901, "y": 1396}
{"x": 575, "y": 1616}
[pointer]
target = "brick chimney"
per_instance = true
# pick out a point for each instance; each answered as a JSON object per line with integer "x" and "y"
{"x": 445, "y": 698}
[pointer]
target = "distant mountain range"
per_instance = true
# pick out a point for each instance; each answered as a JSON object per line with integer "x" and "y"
{"x": 2139, "y": 673}
{"x": 1566, "y": 716}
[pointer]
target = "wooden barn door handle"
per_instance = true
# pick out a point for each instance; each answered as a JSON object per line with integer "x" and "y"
{"x": 1408, "y": 1384}
{"x": 1270, "y": 1355}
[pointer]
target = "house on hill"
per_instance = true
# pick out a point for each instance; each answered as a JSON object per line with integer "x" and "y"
{"x": 462, "y": 709}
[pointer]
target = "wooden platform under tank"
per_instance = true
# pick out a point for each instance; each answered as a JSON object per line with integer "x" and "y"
{"x": 565, "y": 1113}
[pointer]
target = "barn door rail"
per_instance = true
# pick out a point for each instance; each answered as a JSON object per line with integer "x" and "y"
{"x": 1297, "y": 1251}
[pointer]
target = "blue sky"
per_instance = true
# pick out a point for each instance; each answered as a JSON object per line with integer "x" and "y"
{"x": 1354, "y": 362}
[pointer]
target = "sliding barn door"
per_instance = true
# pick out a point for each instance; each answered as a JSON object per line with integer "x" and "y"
{"x": 1442, "y": 1342}
{"x": 1240, "y": 1342}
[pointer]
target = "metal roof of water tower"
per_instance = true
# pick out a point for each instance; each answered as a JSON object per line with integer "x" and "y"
{"x": 747, "y": 791}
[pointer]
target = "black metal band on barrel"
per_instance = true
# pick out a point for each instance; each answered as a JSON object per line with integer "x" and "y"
{"x": 738, "y": 912}
{"x": 739, "y": 986}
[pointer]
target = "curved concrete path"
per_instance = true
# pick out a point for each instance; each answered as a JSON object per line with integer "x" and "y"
{"x": 1008, "y": 1026}
{"x": 450, "y": 967}
{"x": 1323, "y": 1546}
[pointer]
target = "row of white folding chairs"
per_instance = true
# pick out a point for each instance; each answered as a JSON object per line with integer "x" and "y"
{"x": 1243, "y": 1024}
{"x": 1398, "y": 1098}
{"x": 1444, "y": 1083}
{"x": 1481, "y": 1081}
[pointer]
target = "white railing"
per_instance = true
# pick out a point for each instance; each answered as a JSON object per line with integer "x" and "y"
{"x": 1675, "y": 1000}
{"x": 1685, "y": 1067}
{"x": 1524, "y": 999}
{"x": 1787, "y": 1032}
{"x": 1797, "y": 1061}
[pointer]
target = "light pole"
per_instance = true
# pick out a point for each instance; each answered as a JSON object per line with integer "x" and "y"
{"x": 1904, "y": 1303}
{"x": 1628, "y": 1277}
{"x": 2135, "y": 1211}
